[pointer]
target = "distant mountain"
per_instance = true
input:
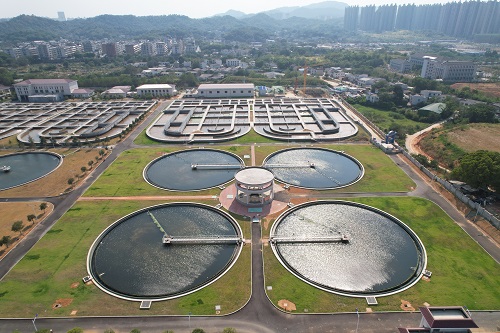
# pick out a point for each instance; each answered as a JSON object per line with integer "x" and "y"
{"x": 257, "y": 27}
{"x": 234, "y": 13}
{"x": 318, "y": 11}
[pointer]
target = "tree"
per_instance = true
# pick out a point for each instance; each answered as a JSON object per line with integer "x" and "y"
{"x": 31, "y": 141}
{"x": 109, "y": 330}
{"x": 43, "y": 141}
{"x": 135, "y": 330}
{"x": 17, "y": 226}
{"x": 83, "y": 168}
{"x": 90, "y": 163}
{"x": 198, "y": 330}
{"x": 479, "y": 169}
{"x": 5, "y": 240}
{"x": 31, "y": 218}
{"x": 70, "y": 181}
{"x": 479, "y": 113}
{"x": 76, "y": 330}
{"x": 229, "y": 330}
{"x": 43, "y": 206}
{"x": 101, "y": 152}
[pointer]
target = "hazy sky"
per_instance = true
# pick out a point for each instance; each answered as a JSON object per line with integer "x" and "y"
{"x": 192, "y": 8}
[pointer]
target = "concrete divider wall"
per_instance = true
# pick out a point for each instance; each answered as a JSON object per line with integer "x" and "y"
{"x": 447, "y": 185}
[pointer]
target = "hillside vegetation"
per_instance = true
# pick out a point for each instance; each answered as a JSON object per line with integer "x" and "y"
{"x": 448, "y": 145}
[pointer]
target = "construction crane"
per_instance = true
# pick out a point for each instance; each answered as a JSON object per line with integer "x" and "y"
{"x": 305, "y": 77}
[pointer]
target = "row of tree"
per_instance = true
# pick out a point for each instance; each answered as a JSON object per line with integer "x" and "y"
{"x": 18, "y": 226}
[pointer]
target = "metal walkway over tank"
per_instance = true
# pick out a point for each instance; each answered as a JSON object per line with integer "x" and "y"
{"x": 340, "y": 238}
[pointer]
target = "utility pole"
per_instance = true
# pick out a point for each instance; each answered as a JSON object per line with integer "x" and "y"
{"x": 36, "y": 330}
{"x": 357, "y": 325}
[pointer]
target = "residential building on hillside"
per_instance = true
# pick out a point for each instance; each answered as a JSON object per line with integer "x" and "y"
{"x": 132, "y": 48}
{"x": 458, "y": 19}
{"x": 232, "y": 62}
{"x": 161, "y": 48}
{"x": 111, "y": 49}
{"x": 447, "y": 70}
{"x": 148, "y": 49}
{"x": 430, "y": 93}
{"x": 400, "y": 65}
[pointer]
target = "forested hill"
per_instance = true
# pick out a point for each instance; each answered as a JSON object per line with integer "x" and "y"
{"x": 26, "y": 28}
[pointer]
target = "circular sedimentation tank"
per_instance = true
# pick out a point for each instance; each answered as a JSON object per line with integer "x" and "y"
{"x": 348, "y": 248}
{"x": 132, "y": 260}
{"x": 192, "y": 170}
{"x": 22, "y": 168}
{"x": 314, "y": 168}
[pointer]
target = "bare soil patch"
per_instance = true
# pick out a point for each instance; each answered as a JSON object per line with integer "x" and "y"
{"x": 18, "y": 211}
{"x": 62, "y": 302}
{"x": 56, "y": 183}
{"x": 477, "y": 137}
{"x": 490, "y": 89}
{"x": 406, "y": 306}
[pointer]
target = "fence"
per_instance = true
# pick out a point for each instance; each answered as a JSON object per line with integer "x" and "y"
{"x": 447, "y": 185}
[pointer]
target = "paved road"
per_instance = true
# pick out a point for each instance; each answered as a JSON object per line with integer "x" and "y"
{"x": 424, "y": 190}
{"x": 259, "y": 315}
{"x": 412, "y": 140}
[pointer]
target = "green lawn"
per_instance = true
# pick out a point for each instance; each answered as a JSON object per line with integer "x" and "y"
{"x": 58, "y": 260}
{"x": 130, "y": 165}
{"x": 385, "y": 120}
{"x": 462, "y": 272}
{"x": 381, "y": 174}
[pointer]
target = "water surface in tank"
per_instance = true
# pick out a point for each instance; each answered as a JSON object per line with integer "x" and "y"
{"x": 26, "y": 167}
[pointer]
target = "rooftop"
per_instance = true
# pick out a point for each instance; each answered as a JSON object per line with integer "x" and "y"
{"x": 43, "y": 81}
{"x": 227, "y": 86}
{"x": 434, "y": 107}
{"x": 155, "y": 86}
{"x": 254, "y": 176}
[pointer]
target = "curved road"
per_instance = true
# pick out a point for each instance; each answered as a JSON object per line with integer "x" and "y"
{"x": 259, "y": 315}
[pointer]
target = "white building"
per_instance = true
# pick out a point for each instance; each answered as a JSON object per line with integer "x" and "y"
{"x": 400, "y": 65}
{"x": 153, "y": 71}
{"x": 457, "y": 71}
{"x": 233, "y": 63}
{"x": 156, "y": 90}
{"x": 161, "y": 48}
{"x": 148, "y": 49}
{"x": 417, "y": 99}
{"x": 372, "y": 98}
{"x": 58, "y": 89}
{"x": 225, "y": 90}
{"x": 430, "y": 93}
{"x": 424, "y": 96}
{"x": 116, "y": 92}
{"x": 82, "y": 93}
